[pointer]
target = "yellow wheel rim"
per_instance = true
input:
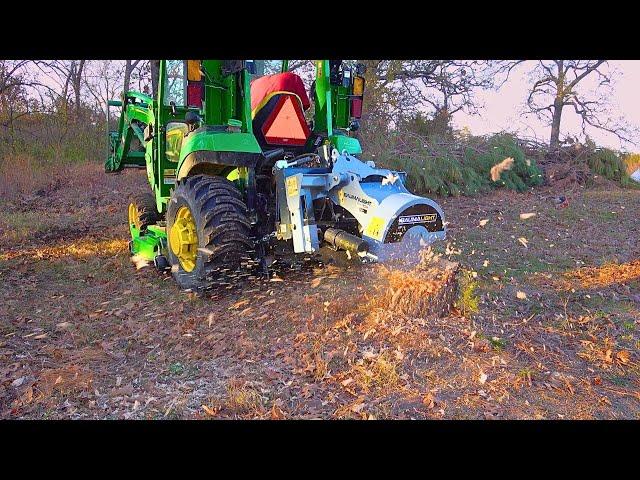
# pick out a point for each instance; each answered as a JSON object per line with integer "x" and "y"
{"x": 184, "y": 239}
{"x": 134, "y": 216}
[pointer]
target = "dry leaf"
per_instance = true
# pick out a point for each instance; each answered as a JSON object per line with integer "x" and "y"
{"x": 608, "y": 356}
{"x": 521, "y": 295}
{"x": 239, "y": 304}
{"x": 623, "y": 357}
{"x": 526, "y": 216}
{"x": 484, "y": 222}
{"x": 428, "y": 400}
{"x": 316, "y": 282}
{"x": 347, "y": 382}
{"x": 277, "y": 413}
{"x": 482, "y": 378}
{"x": 210, "y": 411}
{"x": 523, "y": 241}
{"x": 389, "y": 179}
{"x": 503, "y": 166}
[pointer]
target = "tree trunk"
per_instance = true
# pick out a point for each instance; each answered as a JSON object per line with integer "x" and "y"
{"x": 554, "y": 141}
{"x": 128, "y": 70}
{"x": 77, "y": 84}
{"x": 155, "y": 77}
{"x": 127, "y": 76}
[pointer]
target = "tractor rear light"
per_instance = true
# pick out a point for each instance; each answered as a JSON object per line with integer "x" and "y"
{"x": 194, "y": 94}
{"x": 193, "y": 71}
{"x": 356, "y": 107}
{"x": 358, "y": 86}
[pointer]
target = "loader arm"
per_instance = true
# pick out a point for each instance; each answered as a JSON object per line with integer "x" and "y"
{"x": 136, "y": 114}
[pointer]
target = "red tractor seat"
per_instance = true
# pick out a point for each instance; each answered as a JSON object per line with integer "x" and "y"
{"x": 267, "y": 85}
{"x": 277, "y": 108}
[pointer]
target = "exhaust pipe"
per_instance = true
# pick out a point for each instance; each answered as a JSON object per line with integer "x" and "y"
{"x": 341, "y": 240}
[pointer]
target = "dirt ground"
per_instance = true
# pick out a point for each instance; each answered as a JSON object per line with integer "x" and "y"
{"x": 554, "y": 335}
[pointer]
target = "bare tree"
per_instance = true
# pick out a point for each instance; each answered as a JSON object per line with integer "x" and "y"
{"x": 439, "y": 87}
{"x": 130, "y": 66}
{"x": 555, "y": 86}
{"x": 63, "y": 82}
{"x": 76, "y": 78}
{"x": 104, "y": 81}
{"x": 155, "y": 76}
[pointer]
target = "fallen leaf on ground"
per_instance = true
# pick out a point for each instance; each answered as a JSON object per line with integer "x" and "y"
{"x": 483, "y": 222}
{"x": 521, "y": 295}
{"x": 523, "y": 241}
{"x": 429, "y": 400}
{"x": 212, "y": 412}
{"x": 623, "y": 357}
{"x": 277, "y": 413}
{"x": 526, "y": 216}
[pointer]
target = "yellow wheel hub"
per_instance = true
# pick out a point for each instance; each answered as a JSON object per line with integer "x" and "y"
{"x": 184, "y": 239}
{"x": 134, "y": 216}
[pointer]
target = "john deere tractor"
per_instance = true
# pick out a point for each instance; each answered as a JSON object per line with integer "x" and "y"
{"x": 238, "y": 172}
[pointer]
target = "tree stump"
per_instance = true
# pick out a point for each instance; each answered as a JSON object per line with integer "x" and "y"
{"x": 428, "y": 289}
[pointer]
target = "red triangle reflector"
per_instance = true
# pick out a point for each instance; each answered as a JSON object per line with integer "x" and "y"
{"x": 286, "y": 124}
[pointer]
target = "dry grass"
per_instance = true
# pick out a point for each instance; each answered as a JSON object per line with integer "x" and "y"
{"x": 22, "y": 174}
{"x": 242, "y": 399}
{"x": 605, "y": 275}
{"x": 87, "y": 247}
{"x": 379, "y": 372}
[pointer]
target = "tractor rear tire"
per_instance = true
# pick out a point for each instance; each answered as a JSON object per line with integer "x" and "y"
{"x": 142, "y": 211}
{"x": 207, "y": 230}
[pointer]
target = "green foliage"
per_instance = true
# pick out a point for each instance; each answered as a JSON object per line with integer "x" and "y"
{"x": 498, "y": 344}
{"x": 444, "y": 172}
{"x": 176, "y": 368}
{"x": 467, "y": 301}
{"x": 609, "y": 164}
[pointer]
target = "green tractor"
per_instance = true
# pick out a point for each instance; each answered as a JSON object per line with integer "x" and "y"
{"x": 241, "y": 170}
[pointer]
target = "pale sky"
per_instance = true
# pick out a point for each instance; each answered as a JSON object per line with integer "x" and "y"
{"x": 501, "y": 110}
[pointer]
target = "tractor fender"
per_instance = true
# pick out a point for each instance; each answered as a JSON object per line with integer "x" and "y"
{"x": 208, "y": 151}
{"x": 215, "y": 163}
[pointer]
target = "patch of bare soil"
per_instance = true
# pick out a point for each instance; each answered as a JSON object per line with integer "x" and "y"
{"x": 546, "y": 327}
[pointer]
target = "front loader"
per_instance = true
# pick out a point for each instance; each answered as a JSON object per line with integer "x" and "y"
{"x": 240, "y": 170}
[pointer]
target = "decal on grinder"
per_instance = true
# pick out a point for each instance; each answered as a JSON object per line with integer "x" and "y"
{"x": 423, "y": 218}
